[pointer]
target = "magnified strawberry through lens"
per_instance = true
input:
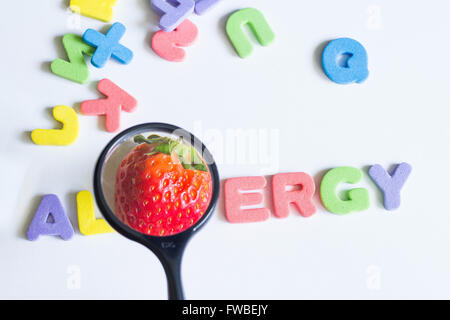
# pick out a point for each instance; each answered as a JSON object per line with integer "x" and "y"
{"x": 163, "y": 186}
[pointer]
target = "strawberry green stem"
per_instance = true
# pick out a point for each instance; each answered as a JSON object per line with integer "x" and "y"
{"x": 188, "y": 155}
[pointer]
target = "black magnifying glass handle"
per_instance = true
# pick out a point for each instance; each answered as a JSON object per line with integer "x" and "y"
{"x": 171, "y": 257}
{"x": 175, "y": 286}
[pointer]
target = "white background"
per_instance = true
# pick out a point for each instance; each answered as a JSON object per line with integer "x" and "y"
{"x": 399, "y": 114}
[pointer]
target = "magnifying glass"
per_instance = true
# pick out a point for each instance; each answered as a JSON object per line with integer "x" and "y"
{"x": 157, "y": 184}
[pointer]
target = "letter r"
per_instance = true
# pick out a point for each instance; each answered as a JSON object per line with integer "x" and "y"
{"x": 301, "y": 198}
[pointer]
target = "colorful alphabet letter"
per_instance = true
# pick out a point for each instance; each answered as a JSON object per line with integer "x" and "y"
{"x": 344, "y": 71}
{"x": 59, "y": 137}
{"x": 88, "y": 223}
{"x": 117, "y": 100}
{"x": 50, "y": 220}
{"x": 302, "y": 198}
{"x": 390, "y": 185}
{"x": 76, "y": 69}
{"x": 108, "y": 45}
{"x": 358, "y": 199}
{"x": 97, "y": 9}
{"x": 235, "y": 199}
{"x": 165, "y": 44}
{"x": 173, "y": 12}
{"x": 258, "y": 25}
{"x": 202, "y": 6}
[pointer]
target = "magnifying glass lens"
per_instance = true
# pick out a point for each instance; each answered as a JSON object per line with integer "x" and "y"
{"x": 157, "y": 184}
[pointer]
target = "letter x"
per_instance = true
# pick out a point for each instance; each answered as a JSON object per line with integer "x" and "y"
{"x": 108, "y": 45}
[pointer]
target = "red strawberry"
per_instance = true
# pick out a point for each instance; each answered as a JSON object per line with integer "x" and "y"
{"x": 163, "y": 187}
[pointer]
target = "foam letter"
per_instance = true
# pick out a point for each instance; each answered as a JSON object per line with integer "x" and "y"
{"x": 354, "y": 70}
{"x": 235, "y": 200}
{"x": 258, "y": 25}
{"x": 202, "y": 6}
{"x": 59, "y": 137}
{"x": 76, "y": 69}
{"x": 173, "y": 12}
{"x": 390, "y": 185}
{"x": 87, "y": 222}
{"x": 117, "y": 100}
{"x": 50, "y": 220}
{"x": 301, "y": 198}
{"x": 165, "y": 44}
{"x": 108, "y": 46}
{"x": 358, "y": 198}
{"x": 97, "y": 9}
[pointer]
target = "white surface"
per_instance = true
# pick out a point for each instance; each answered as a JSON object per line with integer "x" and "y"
{"x": 399, "y": 114}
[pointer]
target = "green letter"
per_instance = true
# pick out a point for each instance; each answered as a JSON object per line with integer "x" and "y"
{"x": 258, "y": 25}
{"x": 358, "y": 199}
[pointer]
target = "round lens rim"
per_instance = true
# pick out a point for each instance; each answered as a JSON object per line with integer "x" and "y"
{"x": 129, "y": 232}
